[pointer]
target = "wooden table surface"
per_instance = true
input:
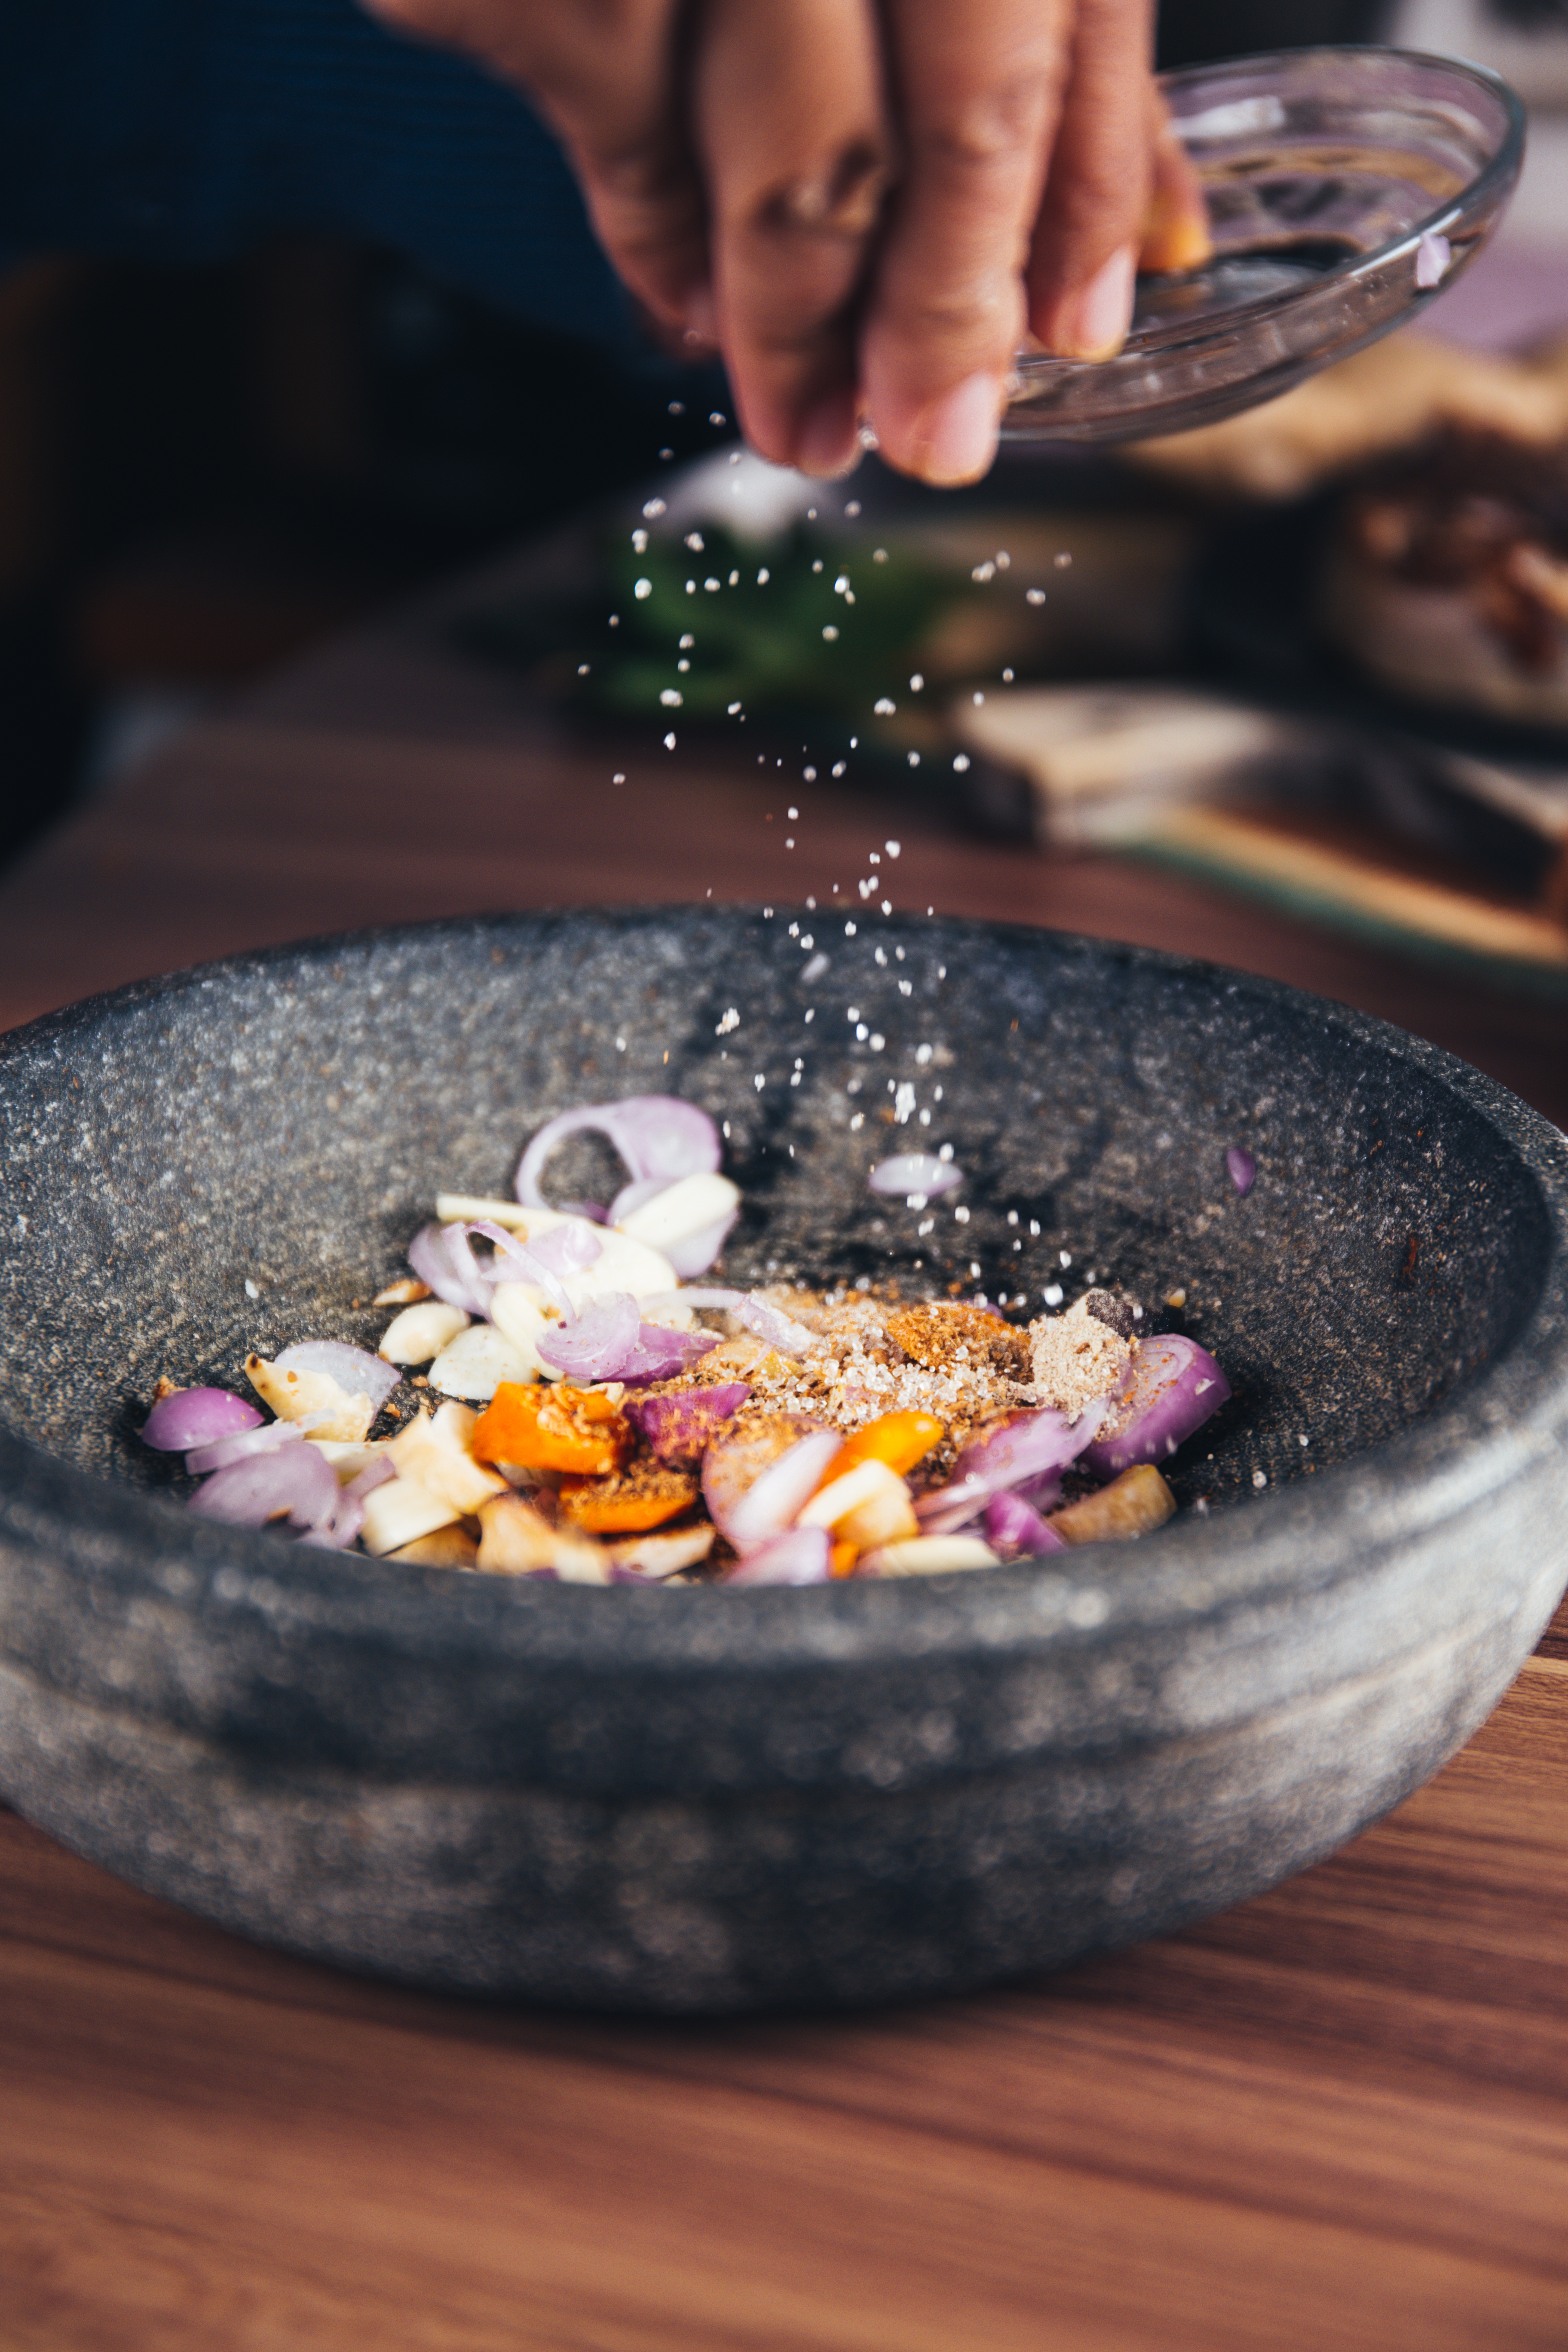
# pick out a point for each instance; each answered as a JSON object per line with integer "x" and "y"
{"x": 1336, "y": 2117}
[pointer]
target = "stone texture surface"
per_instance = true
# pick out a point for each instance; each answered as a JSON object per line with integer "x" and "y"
{"x": 706, "y": 1800}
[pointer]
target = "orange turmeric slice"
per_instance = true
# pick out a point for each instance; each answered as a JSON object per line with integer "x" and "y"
{"x": 608, "y": 1508}
{"x": 555, "y": 1428}
{"x": 898, "y": 1439}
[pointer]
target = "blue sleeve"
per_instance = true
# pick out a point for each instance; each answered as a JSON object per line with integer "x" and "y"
{"x": 189, "y": 130}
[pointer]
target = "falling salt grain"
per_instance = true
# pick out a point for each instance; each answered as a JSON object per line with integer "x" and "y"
{"x": 252, "y": 1292}
{"x": 961, "y": 763}
{"x": 641, "y": 588}
{"x": 671, "y": 698}
{"x": 1052, "y": 1294}
{"x": 670, "y": 740}
{"x": 1260, "y": 1477}
{"x": 1034, "y": 596}
{"x": 619, "y": 777}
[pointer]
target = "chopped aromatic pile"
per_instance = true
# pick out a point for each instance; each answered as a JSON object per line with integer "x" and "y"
{"x": 591, "y": 1430}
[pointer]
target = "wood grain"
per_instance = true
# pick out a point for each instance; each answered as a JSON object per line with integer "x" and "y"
{"x": 1336, "y": 2117}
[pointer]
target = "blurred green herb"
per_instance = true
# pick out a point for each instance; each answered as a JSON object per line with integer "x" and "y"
{"x": 800, "y": 624}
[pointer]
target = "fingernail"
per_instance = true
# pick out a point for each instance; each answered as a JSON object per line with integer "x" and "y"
{"x": 827, "y": 443}
{"x": 1096, "y": 318}
{"x": 955, "y": 440}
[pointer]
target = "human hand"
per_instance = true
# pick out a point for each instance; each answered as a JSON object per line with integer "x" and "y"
{"x": 863, "y": 210}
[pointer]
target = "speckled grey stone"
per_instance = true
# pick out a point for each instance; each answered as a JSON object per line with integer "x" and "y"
{"x": 713, "y": 1799}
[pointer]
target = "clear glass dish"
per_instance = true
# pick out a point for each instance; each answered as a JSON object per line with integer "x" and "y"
{"x": 1347, "y": 188}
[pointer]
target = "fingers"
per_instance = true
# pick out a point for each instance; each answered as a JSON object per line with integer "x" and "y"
{"x": 1084, "y": 258}
{"x": 976, "y": 93}
{"x": 1176, "y": 227}
{"x": 789, "y": 125}
{"x": 606, "y": 74}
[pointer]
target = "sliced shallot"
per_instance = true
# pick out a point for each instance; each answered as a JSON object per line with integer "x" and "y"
{"x": 292, "y": 1483}
{"x": 1013, "y": 1526}
{"x": 656, "y": 1135}
{"x": 755, "y": 1484}
{"x": 915, "y": 1171}
{"x": 196, "y": 1417}
{"x": 799, "y": 1556}
{"x": 591, "y": 1346}
{"x": 443, "y": 1256}
{"x": 1028, "y": 1447}
{"x": 226, "y": 1450}
{"x": 780, "y": 1330}
{"x": 1170, "y": 1388}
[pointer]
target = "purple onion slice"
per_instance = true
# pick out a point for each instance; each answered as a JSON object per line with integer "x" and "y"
{"x": 443, "y": 1256}
{"x": 355, "y": 1370}
{"x": 799, "y": 1556}
{"x": 780, "y": 1330}
{"x": 336, "y": 1532}
{"x": 595, "y": 1344}
{"x": 295, "y": 1483}
{"x": 1170, "y": 1388}
{"x": 225, "y": 1451}
{"x": 1243, "y": 1168}
{"x": 193, "y": 1417}
{"x": 1013, "y": 1526}
{"x": 656, "y": 1135}
{"x": 1021, "y": 1451}
{"x": 679, "y": 1428}
{"x": 752, "y": 1497}
{"x": 660, "y": 1353}
{"x": 915, "y": 1171}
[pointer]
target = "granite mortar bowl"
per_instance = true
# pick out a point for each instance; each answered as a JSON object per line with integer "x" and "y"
{"x": 709, "y": 1799}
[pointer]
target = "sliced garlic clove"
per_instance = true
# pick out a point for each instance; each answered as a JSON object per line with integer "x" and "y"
{"x": 401, "y": 1294}
{"x": 434, "y": 1454}
{"x": 401, "y": 1511}
{"x": 468, "y": 1208}
{"x": 348, "y": 1461}
{"x": 928, "y": 1556}
{"x": 519, "y": 1315}
{"x": 515, "y": 1539}
{"x": 421, "y": 1332}
{"x": 477, "y": 1361}
{"x": 687, "y": 1207}
{"x": 294, "y": 1394}
{"x": 451, "y": 1547}
{"x": 663, "y": 1554}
